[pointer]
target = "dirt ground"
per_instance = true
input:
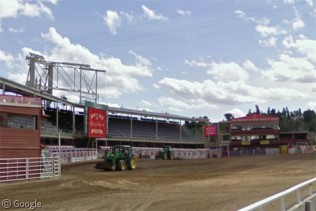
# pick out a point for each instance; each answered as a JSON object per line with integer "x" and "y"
{"x": 213, "y": 184}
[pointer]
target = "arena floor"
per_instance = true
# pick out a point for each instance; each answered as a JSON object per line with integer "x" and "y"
{"x": 213, "y": 184}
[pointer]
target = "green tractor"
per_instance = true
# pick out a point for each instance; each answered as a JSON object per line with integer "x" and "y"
{"x": 120, "y": 157}
{"x": 165, "y": 154}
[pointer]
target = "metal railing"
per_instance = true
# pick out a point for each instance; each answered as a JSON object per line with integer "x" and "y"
{"x": 15, "y": 169}
{"x": 281, "y": 197}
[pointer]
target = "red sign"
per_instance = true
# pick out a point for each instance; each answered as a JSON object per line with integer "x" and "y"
{"x": 96, "y": 123}
{"x": 210, "y": 130}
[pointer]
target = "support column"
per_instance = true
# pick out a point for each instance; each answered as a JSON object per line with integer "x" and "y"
{"x": 73, "y": 121}
{"x": 31, "y": 81}
{"x": 180, "y": 131}
{"x": 131, "y": 127}
{"x": 157, "y": 129}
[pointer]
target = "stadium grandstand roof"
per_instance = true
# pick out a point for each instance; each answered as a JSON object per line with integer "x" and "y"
{"x": 14, "y": 87}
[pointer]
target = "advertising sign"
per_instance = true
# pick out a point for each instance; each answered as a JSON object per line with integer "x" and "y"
{"x": 210, "y": 130}
{"x": 96, "y": 123}
{"x": 265, "y": 142}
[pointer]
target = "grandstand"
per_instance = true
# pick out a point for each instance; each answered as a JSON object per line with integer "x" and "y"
{"x": 58, "y": 116}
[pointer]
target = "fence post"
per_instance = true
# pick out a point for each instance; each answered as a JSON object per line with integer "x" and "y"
{"x": 298, "y": 196}
{"x": 310, "y": 189}
{"x": 282, "y": 204}
{"x": 26, "y": 168}
{"x": 59, "y": 168}
{"x": 53, "y": 165}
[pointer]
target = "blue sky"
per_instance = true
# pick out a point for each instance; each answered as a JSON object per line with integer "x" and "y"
{"x": 193, "y": 58}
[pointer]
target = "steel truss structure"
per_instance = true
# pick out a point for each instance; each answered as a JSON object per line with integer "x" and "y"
{"x": 63, "y": 76}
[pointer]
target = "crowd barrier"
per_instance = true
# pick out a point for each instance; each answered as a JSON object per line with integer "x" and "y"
{"x": 300, "y": 149}
{"x": 70, "y": 154}
{"x": 179, "y": 153}
{"x": 15, "y": 169}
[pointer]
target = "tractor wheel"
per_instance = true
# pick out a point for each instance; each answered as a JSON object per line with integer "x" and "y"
{"x": 165, "y": 157}
{"x": 132, "y": 163}
{"x": 121, "y": 165}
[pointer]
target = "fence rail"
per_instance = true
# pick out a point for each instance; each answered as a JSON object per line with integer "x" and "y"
{"x": 70, "y": 154}
{"x": 281, "y": 197}
{"x": 15, "y": 169}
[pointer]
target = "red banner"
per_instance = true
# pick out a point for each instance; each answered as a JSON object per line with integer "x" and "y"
{"x": 96, "y": 123}
{"x": 210, "y": 130}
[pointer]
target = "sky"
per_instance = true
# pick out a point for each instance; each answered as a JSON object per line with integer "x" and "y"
{"x": 193, "y": 58}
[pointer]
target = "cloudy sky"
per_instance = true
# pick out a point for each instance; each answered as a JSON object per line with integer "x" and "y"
{"x": 192, "y": 58}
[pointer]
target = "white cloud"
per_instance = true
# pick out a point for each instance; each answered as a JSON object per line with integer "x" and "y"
{"x": 128, "y": 16}
{"x": 289, "y": 1}
{"x": 54, "y": 2}
{"x": 112, "y": 20}
{"x": 208, "y": 93}
{"x": 242, "y": 15}
{"x": 227, "y": 71}
{"x": 268, "y": 43}
{"x": 18, "y": 77}
{"x": 184, "y": 12}
{"x": 288, "y": 68}
{"x": 180, "y": 105}
{"x": 236, "y": 112}
{"x": 13, "y": 30}
{"x": 222, "y": 70}
{"x": 303, "y": 45}
{"x": 9, "y": 9}
{"x": 250, "y": 66}
{"x": 13, "y": 8}
{"x": 298, "y": 23}
{"x": 310, "y": 3}
{"x": 151, "y": 14}
{"x": 265, "y": 31}
{"x": 312, "y": 105}
{"x": 146, "y": 103}
{"x": 7, "y": 58}
{"x": 196, "y": 63}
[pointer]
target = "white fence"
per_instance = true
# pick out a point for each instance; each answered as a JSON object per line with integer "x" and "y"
{"x": 14, "y": 169}
{"x": 179, "y": 153}
{"x": 308, "y": 203}
{"x": 70, "y": 154}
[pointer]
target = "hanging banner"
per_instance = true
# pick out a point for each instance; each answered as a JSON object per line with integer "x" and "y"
{"x": 96, "y": 123}
{"x": 210, "y": 130}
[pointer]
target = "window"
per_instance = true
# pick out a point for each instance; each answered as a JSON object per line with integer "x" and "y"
{"x": 18, "y": 121}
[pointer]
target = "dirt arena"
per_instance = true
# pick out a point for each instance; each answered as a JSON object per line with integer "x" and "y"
{"x": 213, "y": 184}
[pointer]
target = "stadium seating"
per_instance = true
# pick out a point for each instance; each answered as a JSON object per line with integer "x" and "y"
{"x": 120, "y": 127}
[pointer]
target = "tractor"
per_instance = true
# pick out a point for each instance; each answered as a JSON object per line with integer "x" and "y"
{"x": 120, "y": 157}
{"x": 165, "y": 154}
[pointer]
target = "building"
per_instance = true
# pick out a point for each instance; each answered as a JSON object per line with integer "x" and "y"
{"x": 257, "y": 131}
{"x": 254, "y": 130}
{"x": 20, "y": 120}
